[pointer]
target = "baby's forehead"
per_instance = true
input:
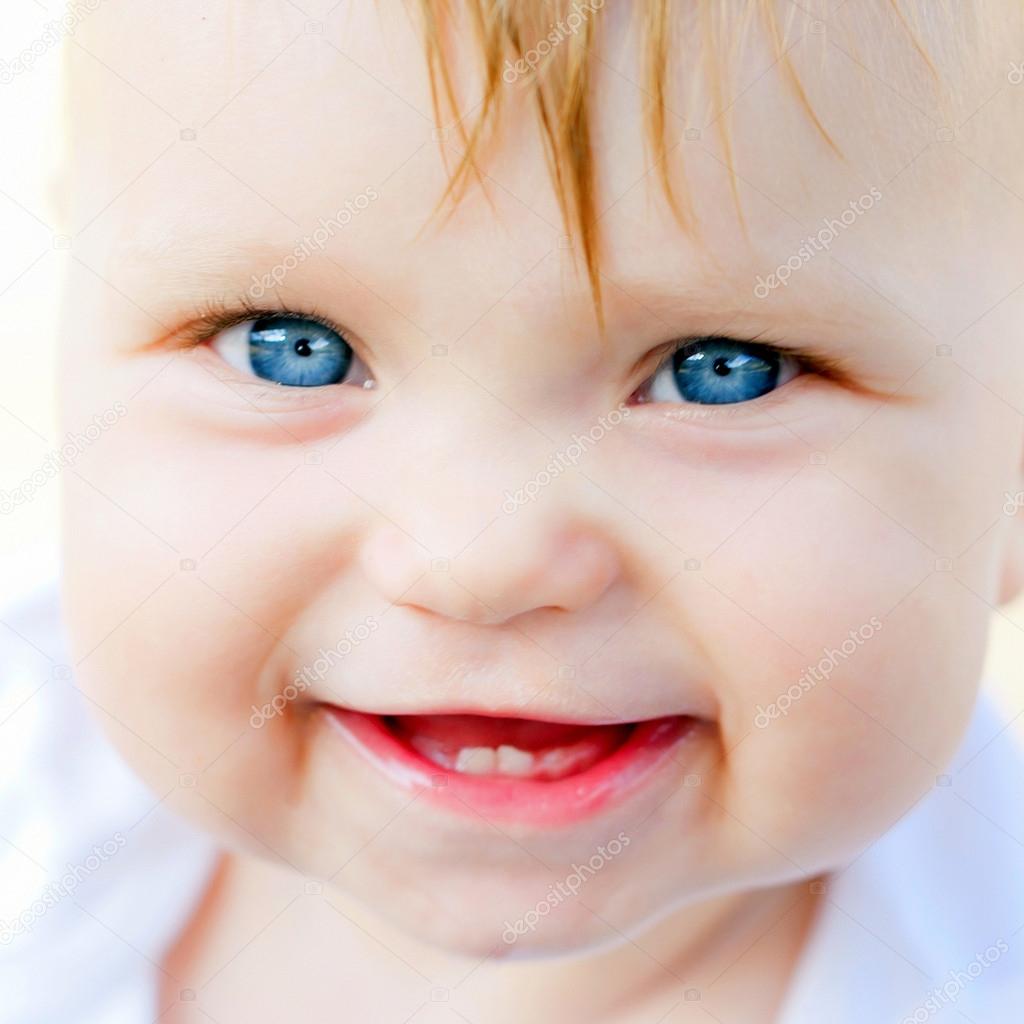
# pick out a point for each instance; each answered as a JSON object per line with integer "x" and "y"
{"x": 204, "y": 139}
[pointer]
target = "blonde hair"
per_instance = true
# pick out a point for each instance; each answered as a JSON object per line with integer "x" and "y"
{"x": 560, "y": 88}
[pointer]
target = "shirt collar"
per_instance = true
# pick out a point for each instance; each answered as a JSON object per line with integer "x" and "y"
{"x": 927, "y": 923}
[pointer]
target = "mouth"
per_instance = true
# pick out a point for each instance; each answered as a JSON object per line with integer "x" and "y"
{"x": 517, "y": 769}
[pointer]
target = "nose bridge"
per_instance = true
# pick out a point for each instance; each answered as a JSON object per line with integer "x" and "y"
{"x": 487, "y": 532}
{"x": 455, "y": 470}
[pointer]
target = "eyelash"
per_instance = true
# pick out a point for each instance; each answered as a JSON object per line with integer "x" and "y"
{"x": 808, "y": 362}
{"x": 216, "y": 315}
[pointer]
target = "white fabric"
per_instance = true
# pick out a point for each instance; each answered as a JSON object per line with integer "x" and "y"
{"x": 928, "y": 923}
{"x": 87, "y": 951}
{"x": 912, "y": 914}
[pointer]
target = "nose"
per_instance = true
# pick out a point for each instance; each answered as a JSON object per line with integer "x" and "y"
{"x": 518, "y": 564}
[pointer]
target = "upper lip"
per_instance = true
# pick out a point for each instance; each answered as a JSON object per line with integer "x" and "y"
{"x": 464, "y": 686}
{"x": 534, "y": 711}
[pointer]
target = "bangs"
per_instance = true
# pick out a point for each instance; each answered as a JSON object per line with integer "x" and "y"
{"x": 546, "y": 50}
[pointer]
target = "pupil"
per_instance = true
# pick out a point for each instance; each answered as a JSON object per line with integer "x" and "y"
{"x": 721, "y": 366}
{"x": 302, "y": 347}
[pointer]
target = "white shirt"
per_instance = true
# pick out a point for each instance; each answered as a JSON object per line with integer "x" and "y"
{"x": 97, "y": 879}
{"x": 928, "y": 923}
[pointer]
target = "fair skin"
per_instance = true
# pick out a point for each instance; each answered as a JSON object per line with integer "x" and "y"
{"x": 695, "y": 562}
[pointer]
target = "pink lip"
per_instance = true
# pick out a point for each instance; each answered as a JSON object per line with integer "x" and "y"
{"x": 649, "y": 746}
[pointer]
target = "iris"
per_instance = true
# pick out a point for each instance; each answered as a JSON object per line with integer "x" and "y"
{"x": 298, "y": 352}
{"x": 718, "y": 371}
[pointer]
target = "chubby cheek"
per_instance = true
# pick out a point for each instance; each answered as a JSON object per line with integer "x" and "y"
{"x": 187, "y": 556}
{"x": 176, "y": 651}
{"x": 848, "y": 658}
{"x": 172, "y": 678}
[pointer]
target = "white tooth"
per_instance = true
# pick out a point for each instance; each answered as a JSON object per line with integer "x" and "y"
{"x": 431, "y": 750}
{"x": 513, "y": 761}
{"x": 476, "y": 760}
{"x": 560, "y": 761}
{"x": 551, "y": 763}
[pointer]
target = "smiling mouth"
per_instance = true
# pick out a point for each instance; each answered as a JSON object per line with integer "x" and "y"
{"x": 518, "y": 748}
{"x": 519, "y": 769}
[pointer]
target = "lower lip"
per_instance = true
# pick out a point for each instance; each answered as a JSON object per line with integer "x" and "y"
{"x": 645, "y": 755}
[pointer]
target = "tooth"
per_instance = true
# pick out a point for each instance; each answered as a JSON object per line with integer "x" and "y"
{"x": 560, "y": 761}
{"x": 431, "y": 750}
{"x": 513, "y": 761}
{"x": 476, "y": 760}
{"x": 551, "y": 762}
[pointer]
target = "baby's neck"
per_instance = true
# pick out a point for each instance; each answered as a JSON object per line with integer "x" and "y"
{"x": 260, "y": 943}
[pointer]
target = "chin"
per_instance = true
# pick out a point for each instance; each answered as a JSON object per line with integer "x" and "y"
{"x": 490, "y": 917}
{"x": 559, "y": 935}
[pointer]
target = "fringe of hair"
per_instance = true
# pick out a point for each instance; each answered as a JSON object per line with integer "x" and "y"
{"x": 559, "y": 88}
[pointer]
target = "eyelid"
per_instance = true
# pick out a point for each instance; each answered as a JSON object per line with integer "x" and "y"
{"x": 215, "y": 320}
{"x": 826, "y": 367}
{"x": 216, "y": 315}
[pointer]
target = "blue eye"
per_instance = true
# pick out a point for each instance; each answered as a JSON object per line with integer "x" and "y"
{"x": 717, "y": 371}
{"x": 291, "y": 350}
{"x": 297, "y": 352}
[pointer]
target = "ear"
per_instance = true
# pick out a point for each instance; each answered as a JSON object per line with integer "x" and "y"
{"x": 1012, "y": 578}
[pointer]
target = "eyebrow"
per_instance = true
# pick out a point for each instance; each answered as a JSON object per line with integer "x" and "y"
{"x": 178, "y": 265}
{"x": 208, "y": 264}
{"x": 198, "y": 256}
{"x": 711, "y": 298}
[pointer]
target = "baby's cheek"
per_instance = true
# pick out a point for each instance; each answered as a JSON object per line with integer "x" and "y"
{"x": 178, "y": 669}
{"x": 847, "y": 661}
{"x": 174, "y": 649}
{"x": 832, "y": 760}
{"x": 180, "y": 686}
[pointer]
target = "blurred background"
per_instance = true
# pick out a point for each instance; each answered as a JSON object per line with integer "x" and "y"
{"x": 31, "y": 262}
{"x": 32, "y": 256}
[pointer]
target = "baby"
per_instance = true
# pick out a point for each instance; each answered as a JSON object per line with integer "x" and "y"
{"x": 559, "y": 502}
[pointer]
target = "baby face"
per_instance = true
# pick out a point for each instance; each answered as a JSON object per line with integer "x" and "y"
{"x": 398, "y": 569}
